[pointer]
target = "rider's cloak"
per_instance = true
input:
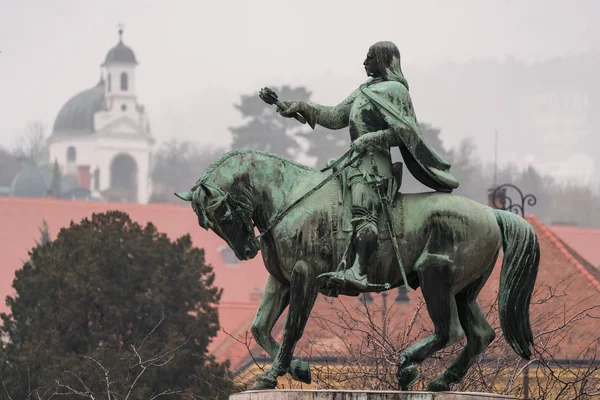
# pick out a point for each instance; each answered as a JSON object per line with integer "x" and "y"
{"x": 392, "y": 102}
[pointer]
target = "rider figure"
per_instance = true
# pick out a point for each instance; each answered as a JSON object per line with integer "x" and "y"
{"x": 380, "y": 116}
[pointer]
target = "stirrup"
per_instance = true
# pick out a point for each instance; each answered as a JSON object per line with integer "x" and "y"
{"x": 339, "y": 279}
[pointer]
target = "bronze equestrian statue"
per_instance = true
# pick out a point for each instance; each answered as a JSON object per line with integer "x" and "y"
{"x": 310, "y": 230}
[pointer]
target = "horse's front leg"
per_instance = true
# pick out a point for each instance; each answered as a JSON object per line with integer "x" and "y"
{"x": 275, "y": 299}
{"x": 303, "y": 293}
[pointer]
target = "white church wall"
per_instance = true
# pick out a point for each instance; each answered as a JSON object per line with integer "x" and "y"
{"x": 84, "y": 151}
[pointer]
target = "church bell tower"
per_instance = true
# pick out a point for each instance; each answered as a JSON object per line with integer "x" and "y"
{"x": 119, "y": 66}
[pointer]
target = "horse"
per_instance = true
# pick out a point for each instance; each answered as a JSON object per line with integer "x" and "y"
{"x": 448, "y": 246}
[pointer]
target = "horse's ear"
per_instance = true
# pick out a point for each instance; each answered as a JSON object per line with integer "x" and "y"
{"x": 185, "y": 196}
{"x": 209, "y": 191}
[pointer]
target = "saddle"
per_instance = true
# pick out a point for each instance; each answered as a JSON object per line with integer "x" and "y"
{"x": 343, "y": 220}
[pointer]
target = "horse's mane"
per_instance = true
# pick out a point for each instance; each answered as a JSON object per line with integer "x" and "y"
{"x": 233, "y": 153}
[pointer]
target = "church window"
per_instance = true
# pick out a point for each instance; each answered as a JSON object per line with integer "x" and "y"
{"x": 71, "y": 154}
{"x": 109, "y": 83}
{"x": 123, "y": 107}
{"x": 124, "y": 82}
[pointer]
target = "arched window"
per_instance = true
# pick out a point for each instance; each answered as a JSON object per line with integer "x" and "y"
{"x": 71, "y": 154}
{"x": 109, "y": 83}
{"x": 123, "y": 178}
{"x": 124, "y": 82}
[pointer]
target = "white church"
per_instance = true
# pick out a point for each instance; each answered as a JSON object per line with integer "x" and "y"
{"x": 102, "y": 134}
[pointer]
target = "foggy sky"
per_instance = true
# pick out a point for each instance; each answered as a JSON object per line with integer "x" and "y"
{"x": 197, "y": 57}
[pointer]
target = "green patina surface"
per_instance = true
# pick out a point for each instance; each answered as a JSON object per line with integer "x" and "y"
{"x": 328, "y": 232}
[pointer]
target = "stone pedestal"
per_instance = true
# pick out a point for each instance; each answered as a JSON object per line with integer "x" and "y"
{"x": 361, "y": 395}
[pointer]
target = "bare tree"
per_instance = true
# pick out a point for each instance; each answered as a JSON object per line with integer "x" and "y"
{"x": 32, "y": 143}
{"x": 126, "y": 387}
{"x": 357, "y": 345}
{"x": 574, "y": 204}
{"x": 177, "y": 166}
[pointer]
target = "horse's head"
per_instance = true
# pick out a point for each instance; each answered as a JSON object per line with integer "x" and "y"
{"x": 224, "y": 215}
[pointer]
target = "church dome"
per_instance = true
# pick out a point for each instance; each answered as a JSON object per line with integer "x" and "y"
{"x": 76, "y": 117}
{"x": 120, "y": 53}
{"x": 29, "y": 182}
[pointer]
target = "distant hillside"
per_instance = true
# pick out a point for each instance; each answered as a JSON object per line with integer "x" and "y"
{"x": 548, "y": 110}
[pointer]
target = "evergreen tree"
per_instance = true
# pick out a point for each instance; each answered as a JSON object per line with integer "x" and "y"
{"x": 324, "y": 144}
{"x": 265, "y": 129}
{"x": 44, "y": 234}
{"x": 109, "y": 297}
{"x": 177, "y": 166}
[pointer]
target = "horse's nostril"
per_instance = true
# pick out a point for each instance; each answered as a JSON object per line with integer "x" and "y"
{"x": 247, "y": 252}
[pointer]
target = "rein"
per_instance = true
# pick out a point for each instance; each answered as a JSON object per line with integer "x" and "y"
{"x": 337, "y": 172}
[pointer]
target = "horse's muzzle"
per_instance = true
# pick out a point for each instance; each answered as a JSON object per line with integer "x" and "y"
{"x": 251, "y": 251}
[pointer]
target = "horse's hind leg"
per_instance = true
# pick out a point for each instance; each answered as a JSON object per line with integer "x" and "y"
{"x": 303, "y": 293}
{"x": 478, "y": 331}
{"x": 435, "y": 279}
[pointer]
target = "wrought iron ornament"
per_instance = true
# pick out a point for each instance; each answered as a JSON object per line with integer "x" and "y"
{"x": 501, "y": 201}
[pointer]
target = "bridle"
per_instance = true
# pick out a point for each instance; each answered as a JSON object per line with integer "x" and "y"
{"x": 239, "y": 207}
{"x": 236, "y": 207}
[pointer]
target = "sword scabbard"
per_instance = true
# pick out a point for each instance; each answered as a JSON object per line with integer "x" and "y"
{"x": 383, "y": 200}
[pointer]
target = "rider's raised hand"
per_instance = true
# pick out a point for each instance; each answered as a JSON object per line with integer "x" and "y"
{"x": 290, "y": 108}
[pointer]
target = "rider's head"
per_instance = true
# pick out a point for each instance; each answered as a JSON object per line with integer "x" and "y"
{"x": 383, "y": 60}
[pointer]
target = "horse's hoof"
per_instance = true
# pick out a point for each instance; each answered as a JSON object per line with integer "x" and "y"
{"x": 439, "y": 384}
{"x": 407, "y": 376}
{"x": 300, "y": 371}
{"x": 264, "y": 382}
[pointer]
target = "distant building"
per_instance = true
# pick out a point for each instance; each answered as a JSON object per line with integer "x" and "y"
{"x": 34, "y": 180}
{"x": 102, "y": 135}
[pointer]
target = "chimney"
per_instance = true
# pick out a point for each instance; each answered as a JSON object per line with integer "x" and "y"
{"x": 402, "y": 295}
{"x": 500, "y": 200}
{"x": 83, "y": 176}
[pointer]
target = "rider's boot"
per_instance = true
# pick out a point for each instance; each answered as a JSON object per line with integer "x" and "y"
{"x": 365, "y": 244}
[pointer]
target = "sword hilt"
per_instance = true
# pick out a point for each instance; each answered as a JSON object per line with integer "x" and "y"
{"x": 377, "y": 180}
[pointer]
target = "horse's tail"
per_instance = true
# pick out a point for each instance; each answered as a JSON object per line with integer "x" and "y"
{"x": 517, "y": 279}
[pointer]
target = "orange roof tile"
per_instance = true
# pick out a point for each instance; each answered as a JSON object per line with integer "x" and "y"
{"x": 22, "y": 219}
{"x": 585, "y": 241}
{"x": 326, "y": 336}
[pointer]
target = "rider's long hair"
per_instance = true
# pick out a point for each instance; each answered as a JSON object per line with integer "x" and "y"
{"x": 388, "y": 61}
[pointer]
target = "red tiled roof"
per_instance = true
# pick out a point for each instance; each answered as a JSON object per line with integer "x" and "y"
{"x": 235, "y": 320}
{"x": 326, "y": 336}
{"x": 585, "y": 241}
{"x": 22, "y": 218}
